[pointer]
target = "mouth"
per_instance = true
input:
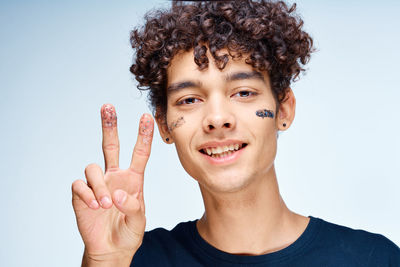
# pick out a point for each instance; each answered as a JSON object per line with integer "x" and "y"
{"x": 222, "y": 151}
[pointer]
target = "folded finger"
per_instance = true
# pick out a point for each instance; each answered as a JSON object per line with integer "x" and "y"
{"x": 95, "y": 180}
{"x": 131, "y": 207}
{"x": 81, "y": 190}
{"x": 142, "y": 149}
{"x": 110, "y": 136}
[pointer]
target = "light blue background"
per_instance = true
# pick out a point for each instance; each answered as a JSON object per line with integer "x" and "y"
{"x": 60, "y": 61}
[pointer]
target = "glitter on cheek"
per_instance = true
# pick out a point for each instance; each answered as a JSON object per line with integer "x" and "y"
{"x": 175, "y": 124}
{"x": 146, "y": 130}
{"x": 109, "y": 116}
{"x": 265, "y": 113}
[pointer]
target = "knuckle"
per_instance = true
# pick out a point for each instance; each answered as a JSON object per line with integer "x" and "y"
{"x": 112, "y": 168}
{"x": 141, "y": 152}
{"x": 111, "y": 147}
{"x": 134, "y": 171}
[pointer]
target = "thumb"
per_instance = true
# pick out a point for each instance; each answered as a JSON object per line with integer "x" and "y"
{"x": 132, "y": 207}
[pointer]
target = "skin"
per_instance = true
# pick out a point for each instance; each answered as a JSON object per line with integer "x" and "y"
{"x": 265, "y": 113}
{"x": 109, "y": 206}
{"x": 244, "y": 212}
{"x": 175, "y": 124}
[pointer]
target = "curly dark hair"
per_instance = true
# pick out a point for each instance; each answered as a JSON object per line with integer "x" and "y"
{"x": 268, "y": 33}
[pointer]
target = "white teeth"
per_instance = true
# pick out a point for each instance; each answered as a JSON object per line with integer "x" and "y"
{"x": 221, "y": 151}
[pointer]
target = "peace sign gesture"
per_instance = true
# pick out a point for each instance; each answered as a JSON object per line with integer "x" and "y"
{"x": 109, "y": 207}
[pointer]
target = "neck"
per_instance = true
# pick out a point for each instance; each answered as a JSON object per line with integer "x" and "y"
{"x": 253, "y": 221}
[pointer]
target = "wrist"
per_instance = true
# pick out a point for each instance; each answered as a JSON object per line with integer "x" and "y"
{"x": 121, "y": 258}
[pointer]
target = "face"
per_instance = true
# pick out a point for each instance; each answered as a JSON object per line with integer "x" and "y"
{"x": 212, "y": 111}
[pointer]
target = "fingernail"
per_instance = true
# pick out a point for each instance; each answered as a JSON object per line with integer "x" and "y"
{"x": 105, "y": 201}
{"x": 146, "y": 125}
{"x": 108, "y": 116}
{"x": 94, "y": 204}
{"x": 120, "y": 196}
{"x": 146, "y": 128}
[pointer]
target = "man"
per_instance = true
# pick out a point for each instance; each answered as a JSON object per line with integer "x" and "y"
{"x": 219, "y": 77}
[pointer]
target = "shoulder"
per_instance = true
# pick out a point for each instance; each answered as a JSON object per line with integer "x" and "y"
{"x": 385, "y": 249}
{"x": 162, "y": 235}
{"x": 160, "y": 245}
{"x": 370, "y": 248}
{"x": 355, "y": 236}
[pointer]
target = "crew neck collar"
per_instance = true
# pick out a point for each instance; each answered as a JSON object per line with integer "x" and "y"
{"x": 284, "y": 254}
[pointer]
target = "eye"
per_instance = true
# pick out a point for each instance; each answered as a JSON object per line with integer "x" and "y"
{"x": 245, "y": 94}
{"x": 188, "y": 101}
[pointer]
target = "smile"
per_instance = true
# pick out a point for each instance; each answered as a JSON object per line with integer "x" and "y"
{"x": 222, "y": 151}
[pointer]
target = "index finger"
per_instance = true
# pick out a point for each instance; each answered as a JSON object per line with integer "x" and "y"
{"x": 110, "y": 136}
{"x": 142, "y": 149}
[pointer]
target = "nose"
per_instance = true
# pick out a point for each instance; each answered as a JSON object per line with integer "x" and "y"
{"x": 219, "y": 117}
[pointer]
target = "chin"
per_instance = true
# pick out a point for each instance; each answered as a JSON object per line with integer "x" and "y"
{"x": 226, "y": 182}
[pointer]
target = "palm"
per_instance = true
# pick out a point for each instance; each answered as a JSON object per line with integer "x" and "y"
{"x": 102, "y": 227}
{"x": 105, "y": 230}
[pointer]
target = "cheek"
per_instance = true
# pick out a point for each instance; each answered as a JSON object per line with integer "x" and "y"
{"x": 175, "y": 123}
{"x": 264, "y": 134}
{"x": 183, "y": 125}
{"x": 259, "y": 126}
{"x": 182, "y": 133}
{"x": 183, "y": 147}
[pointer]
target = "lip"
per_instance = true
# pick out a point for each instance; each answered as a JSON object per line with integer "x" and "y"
{"x": 225, "y": 160}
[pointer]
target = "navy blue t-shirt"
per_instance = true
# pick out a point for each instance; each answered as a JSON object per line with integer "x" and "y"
{"x": 321, "y": 244}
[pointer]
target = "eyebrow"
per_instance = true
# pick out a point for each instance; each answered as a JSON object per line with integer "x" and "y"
{"x": 245, "y": 76}
{"x": 229, "y": 78}
{"x": 182, "y": 85}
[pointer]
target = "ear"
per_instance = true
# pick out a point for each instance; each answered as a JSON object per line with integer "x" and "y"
{"x": 286, "y": 112}
{"x": 163, "y": 128}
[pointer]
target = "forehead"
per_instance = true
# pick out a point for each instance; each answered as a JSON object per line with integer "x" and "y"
{"x": 182, "y": 67}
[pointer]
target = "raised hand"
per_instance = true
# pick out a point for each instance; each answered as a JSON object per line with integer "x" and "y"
{"x": 109, "y": 206}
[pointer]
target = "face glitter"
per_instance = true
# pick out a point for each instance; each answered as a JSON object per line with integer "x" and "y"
{"x": 265, "y": 113}
{"x": 109, "y": 116}
{"x": 146, "y": 129}
{"x": 175, "y": 124}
